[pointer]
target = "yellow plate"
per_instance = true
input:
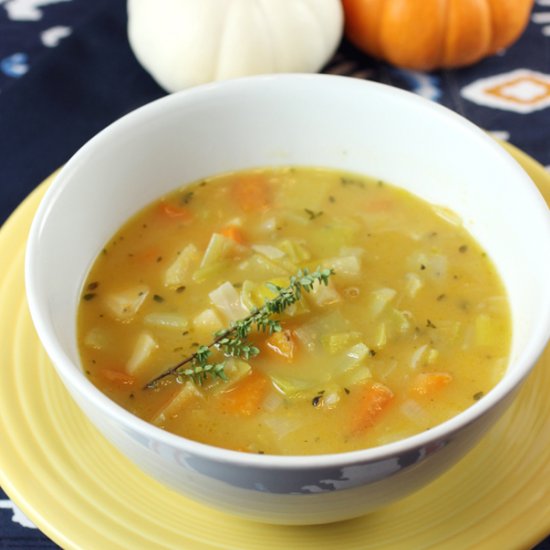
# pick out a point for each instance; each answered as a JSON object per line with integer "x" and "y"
{"x": 84, "y": 494}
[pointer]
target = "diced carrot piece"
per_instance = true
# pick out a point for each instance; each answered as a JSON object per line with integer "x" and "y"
{"x": 172, "y": 211}
{"x": 246, "y": 397}
{"x": 252, "y": 193}
{"x": 117, "y": 378}
{"x": 372, "y": 402}
{"x": 282, "y": 344}
{"x": 233, "y": 232}
{"x": 427, "y": 383}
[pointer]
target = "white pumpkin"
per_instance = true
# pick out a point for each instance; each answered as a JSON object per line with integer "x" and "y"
{"x": 187, "y": 42}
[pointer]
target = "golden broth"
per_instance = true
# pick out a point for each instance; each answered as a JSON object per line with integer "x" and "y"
{"x": 413, "y": 327}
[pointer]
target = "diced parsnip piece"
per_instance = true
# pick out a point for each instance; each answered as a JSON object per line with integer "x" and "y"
{"x": 427, "y": 383}
{"x": 334, "y": 343}
{"x": 220, "y": 248}
{"x": 324, "y": 295}
{"x": 433, "y": 266}
{"x": 447, "y": 214}
{"x": 183, "y": 396}
{"x": 296, "y": 252}
{"x": 259, "y": 266}
{"x": 227, "y": 301}
{"x": 413, "y": 283}
{"x": 487, "y": 331}
{"x": 346, "y": 267}
{"x": 380, "y": 298}
{"x": 180, "y": 271}
{"x": 173, "y": 321}
{"x": 207, "y": 321}
{"x": 124, "y": 305}
{"x": 96, "y": 338}
{"x": 282, "y": 344}
{"x": 143, "y": 348}
{"x": 269, "y": 251}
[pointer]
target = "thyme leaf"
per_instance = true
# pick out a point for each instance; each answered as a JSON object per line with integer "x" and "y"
{"x": 233, "y": 341}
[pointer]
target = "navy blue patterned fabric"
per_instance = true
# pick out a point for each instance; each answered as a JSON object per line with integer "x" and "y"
{"x": 66, "y": 71}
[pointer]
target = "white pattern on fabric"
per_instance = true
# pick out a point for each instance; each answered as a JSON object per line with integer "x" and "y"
{"x": 18, "y": 516}
{"x": 26, "y": 10}
{"x": 52, "y": 36}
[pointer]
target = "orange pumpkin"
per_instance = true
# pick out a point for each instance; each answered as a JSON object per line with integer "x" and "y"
{"x": 431, "y": 34}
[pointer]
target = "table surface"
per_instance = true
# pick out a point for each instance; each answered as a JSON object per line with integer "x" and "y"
{"x": 66, "y": 71}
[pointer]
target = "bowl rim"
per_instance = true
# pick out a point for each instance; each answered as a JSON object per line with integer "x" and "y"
{"x": 73, "y": 376}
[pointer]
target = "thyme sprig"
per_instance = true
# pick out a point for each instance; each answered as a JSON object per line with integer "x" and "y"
{"x": 233, "y": 341}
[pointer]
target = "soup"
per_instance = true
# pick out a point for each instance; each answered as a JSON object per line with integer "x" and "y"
{"x": 397, "y": 319}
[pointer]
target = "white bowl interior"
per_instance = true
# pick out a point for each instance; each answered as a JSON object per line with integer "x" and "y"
{"x": 292, "y": 120}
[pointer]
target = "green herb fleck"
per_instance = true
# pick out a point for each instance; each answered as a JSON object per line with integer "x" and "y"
{"x": 187, "y": 197}
{"x": 429, "y": 324}
{"x": 477, "y": 396}
{"x": 89, "y": 296}
{"x": 158, "y": 298}
{"x": 313, "y": 215}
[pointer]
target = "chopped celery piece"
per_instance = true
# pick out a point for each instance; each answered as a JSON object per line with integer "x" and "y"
{"x": 179, "y": 272}
{"x": 354, "y": 356}
{"x": 173, "y": 321}
{"x": 295, "y": 251}
{"x": 181, "y": 398}
{"x": 228, "y": 301}
{"x": 293, "y": 386}
{"x": 204, "y": 273}
{"x": 381, "y": 337}
{"x": 334, "y": 343}
{"x": 254, "y": 295}
{"x": 380, "y": 298}
{"x": 143, "y": 348}
{"x": 207, "y": 321}
{"x": 220, "y": 248}
{"x": 311, "y": 332}
{"x": 357, "y": 375}
{"x": 124, "y": 305}
{"x": 96, "y": 338}
{"x": 269, "y": 251}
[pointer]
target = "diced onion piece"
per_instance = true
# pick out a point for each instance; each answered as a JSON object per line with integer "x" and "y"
{"x": 220, "y": 248}
{"x": 207, "y": 321}
{"x": 346, "y": 267}
{"x": 447, "y": 214}
{"x": 324, "y": 295}
{"x": 228, "y": 301}
{"x": 179, "y": 272}
{"x": 295, "y": 251}
{"x": 381, "y": 337}
{"x": 269, "y": 251}
{"x": 352, "y": 251}
{"x": 417, "y": 356}
{"x": 487, "y": 331}
{"x": 188, "y": 392}
{"x": 354, "y": 356}
{"x": 331, "y": 399}
{"x": 173, "y": 321}
{"x": 124, "y": 305}
{"x": 96, "y": 338}
{"x": 358, "y": 375}
{"x": 433, "y": 266}
{"x": 413, "y": 283}
{"x": 272, "y": 401}
{"x": 144, "y": 347}
{"x": 380, "y": 298}
{"x": 412, "y": 410}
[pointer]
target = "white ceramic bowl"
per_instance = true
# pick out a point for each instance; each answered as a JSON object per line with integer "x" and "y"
{"x": 309, "y": 120}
